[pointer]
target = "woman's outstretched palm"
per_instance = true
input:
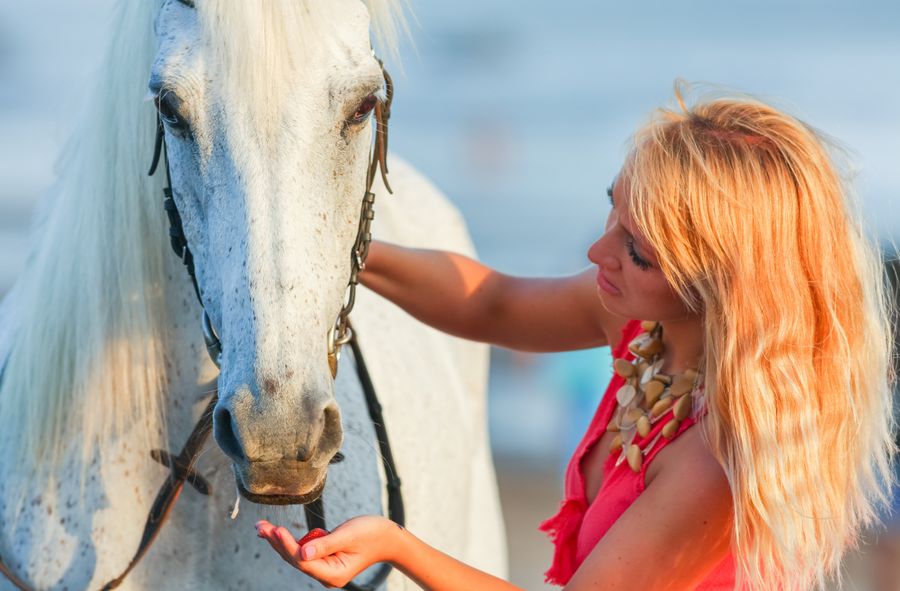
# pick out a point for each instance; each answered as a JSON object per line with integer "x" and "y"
{"x": 334, "y": 559}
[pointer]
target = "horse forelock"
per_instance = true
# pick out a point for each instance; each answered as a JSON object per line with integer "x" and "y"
{"x": 387, "y": 17}
{"x": 256, "y": 51}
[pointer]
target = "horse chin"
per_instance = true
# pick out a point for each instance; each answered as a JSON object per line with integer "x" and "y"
{"x": 280, "y": 498}
{"x": 278, "y": 495}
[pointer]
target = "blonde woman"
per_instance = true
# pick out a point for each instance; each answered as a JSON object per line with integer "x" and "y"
{"x": 746, "y": 436}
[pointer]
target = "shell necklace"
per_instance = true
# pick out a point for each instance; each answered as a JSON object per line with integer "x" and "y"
{"x": 648, "y": 396}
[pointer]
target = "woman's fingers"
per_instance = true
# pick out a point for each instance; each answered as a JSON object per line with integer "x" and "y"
{"x": 288, "y": 542}
{"x": 281, "y": 540}
{"x": 334, "y": 558}
{"x": 324, "y": 546}
{"x": 284, "y": 542}
{"x": 262, "y": 527}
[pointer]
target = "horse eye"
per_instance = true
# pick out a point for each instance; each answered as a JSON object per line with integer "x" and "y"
{"x": 364, "y": 109}
{"x": 167, "y": 104}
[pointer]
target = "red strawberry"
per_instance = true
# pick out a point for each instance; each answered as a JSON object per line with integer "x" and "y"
{"x": 312, "y": 535}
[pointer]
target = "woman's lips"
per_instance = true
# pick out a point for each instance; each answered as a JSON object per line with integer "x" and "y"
{"x": 605, "y": 285}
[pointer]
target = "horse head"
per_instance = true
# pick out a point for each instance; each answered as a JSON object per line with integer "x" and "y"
{"x": 268, "y": 136}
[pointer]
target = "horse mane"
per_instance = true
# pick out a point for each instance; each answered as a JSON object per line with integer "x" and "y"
{"x": 89, "y": 359}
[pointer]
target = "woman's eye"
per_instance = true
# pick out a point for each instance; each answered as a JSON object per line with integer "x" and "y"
{"x": 364, "y": 109}
{"x": 167, "y": 104}
{"x": 635, "y": 257}
{"x": 609, "y": 192}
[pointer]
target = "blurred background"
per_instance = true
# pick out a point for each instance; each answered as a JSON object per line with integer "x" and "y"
{"x": 520, "y": 112}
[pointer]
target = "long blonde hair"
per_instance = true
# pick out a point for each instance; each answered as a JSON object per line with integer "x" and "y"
{"x": 756, "y": 228}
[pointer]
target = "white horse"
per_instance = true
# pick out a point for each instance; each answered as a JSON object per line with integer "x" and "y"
{"x": 265, "y": 105}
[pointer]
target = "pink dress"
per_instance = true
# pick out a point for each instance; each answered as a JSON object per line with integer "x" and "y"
{"x": 577, "y": 527}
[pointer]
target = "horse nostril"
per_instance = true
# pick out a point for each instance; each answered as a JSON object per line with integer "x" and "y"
{"x": 305, "y": 453}
{"x": 224, "y": 431}
{"x": 332, "y": 418}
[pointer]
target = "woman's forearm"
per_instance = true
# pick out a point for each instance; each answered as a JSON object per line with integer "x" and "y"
{"x": 462, "y": 297}
{"x": 435, "y": 571}
{"x": 448, "y": 291}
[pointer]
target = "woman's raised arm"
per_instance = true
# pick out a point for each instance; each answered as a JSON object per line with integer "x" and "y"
{"x": 465, "y": 298}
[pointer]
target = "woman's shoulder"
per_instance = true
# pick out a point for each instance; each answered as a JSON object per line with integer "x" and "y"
{"x": 689, "y": 458}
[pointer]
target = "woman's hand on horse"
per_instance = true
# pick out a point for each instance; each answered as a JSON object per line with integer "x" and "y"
{"x": 336, "y": 558}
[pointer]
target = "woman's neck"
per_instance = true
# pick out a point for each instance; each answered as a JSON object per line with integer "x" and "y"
{"x": 682, "y": 343}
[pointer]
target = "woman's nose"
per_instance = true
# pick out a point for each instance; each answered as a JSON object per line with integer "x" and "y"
{"x": 599, "y": 253}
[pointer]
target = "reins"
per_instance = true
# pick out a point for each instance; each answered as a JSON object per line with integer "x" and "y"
{"x": 181, "y": 466}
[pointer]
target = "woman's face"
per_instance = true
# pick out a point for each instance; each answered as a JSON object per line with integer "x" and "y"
{"x": 629, "y": 280}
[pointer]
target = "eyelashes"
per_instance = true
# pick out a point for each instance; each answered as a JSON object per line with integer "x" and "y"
{"x": 635, "y": 257}
{"x": 629, "y": 244}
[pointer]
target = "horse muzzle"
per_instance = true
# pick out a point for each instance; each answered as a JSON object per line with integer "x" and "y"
{"x": 280, "y": 446}
{"x": 275, "y": 483}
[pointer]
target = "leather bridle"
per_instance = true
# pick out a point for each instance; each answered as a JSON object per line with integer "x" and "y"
{"x": 181, "y": 466}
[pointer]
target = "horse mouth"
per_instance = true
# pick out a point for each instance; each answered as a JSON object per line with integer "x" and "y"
{"x": 280, "y": 498}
